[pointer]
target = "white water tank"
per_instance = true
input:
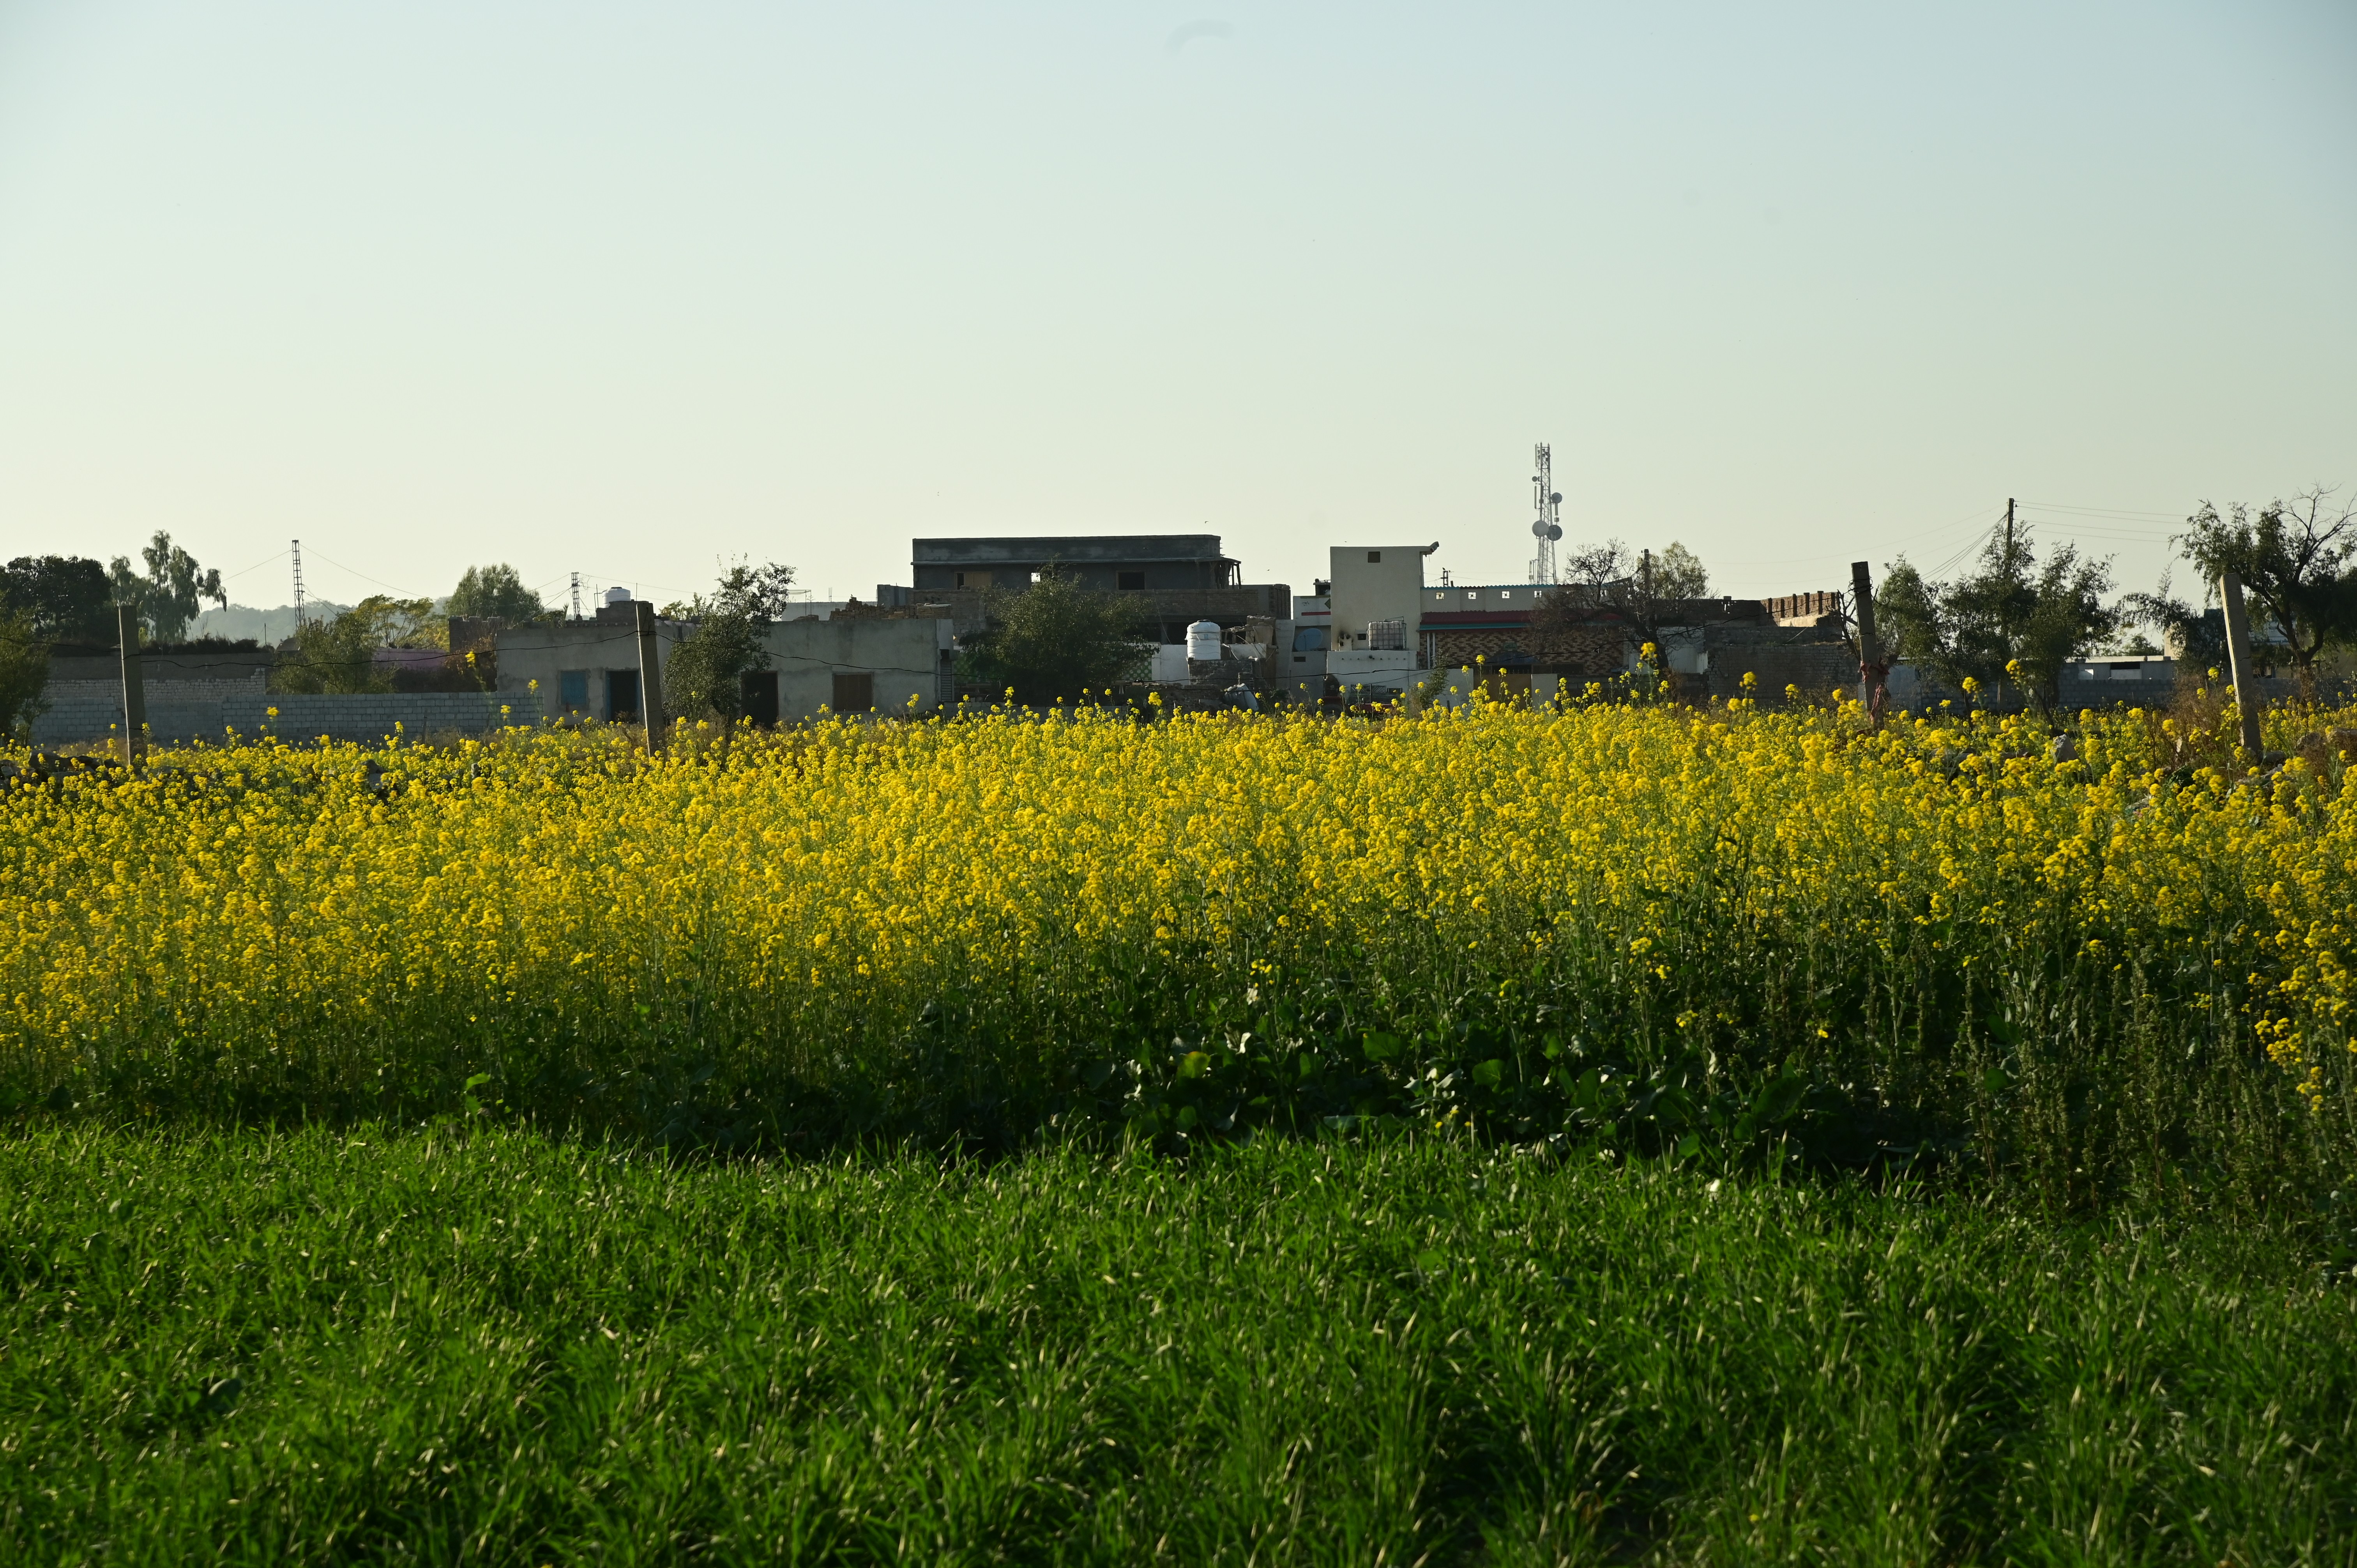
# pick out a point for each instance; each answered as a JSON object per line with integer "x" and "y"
{"x": 1203, "y": 640}
{"x": 617, "y": 596}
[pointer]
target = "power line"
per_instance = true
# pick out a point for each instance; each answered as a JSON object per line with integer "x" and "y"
{"x": 363, "y": 576}
{"x": 257, "y": 566}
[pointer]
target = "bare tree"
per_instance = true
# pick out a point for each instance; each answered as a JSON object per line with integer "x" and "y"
{"x": 1610, "y": 583}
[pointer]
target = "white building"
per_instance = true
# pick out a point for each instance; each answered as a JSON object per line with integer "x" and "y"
{"x": 1375, "y": 611}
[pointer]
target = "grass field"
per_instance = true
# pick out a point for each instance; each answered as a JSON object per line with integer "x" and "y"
{"x": 1624, "y": 1133}
{"x": 489, "y": 1346}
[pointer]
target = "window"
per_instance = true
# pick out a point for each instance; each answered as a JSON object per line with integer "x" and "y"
{"x": 1387, "y": 634}
{"x": 974, "y": 579}
{"x": 572, "y": 691}
{"x": 1440, "y": 598}
{"x": 1310, "y": 640}
{"x": 854, "y": 693}
{"x": 1471, "y": 594}
{"x": 1374, "y": 557}
{"x": 1505, "y": 593}
{"x": 1129, "y": 582}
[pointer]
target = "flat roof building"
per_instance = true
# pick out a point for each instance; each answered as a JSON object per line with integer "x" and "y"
{"x": 1176, "y": 578}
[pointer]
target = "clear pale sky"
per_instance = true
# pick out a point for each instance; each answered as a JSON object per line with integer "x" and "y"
{"x": 627, "y": 288}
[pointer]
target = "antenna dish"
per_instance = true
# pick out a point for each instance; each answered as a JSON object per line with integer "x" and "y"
{"x": 1554, "y": 533}
{"x": 1555, "y": 499}
{"x": 1538, "y": 529}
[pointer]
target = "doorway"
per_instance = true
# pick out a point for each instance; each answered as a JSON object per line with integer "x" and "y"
{"x": 758, "y": 697}
{"x": 622, "y": 696}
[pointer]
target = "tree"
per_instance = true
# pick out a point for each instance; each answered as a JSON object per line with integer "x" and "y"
{"x": 2010, "y": 619}
{"x": 1056, "y": 640}
{"x": 67, "y": 597}
{"x": 169, "y": 597}
{"x": 23, "y": 671}
{"x": 1678, "y": 573}
{"x": 2195, "y": 638}
{"x": 495, "y": 593}
{"x": 1643, "y": 591}
{"x": 704, "y": 678}
{"x": 2294, "y": 561}
{"x": 340, "y": 655}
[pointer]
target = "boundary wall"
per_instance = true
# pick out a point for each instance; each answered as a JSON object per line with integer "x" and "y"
{"x": 177, "y": 718}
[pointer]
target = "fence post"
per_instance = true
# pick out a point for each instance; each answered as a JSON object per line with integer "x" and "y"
{"x": 2238, "y": 664}
{"x": 135, "y": 687}
{"x": 650, "y": 706}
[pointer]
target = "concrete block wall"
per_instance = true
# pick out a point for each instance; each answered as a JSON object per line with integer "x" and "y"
{"x": 370, "y": 718}
{"x": 178, "y": 718}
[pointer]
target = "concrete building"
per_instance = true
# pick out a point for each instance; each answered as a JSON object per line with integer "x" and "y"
{"x": 1388, "y": 625}
{"x": 1375, "y": 610}
{"x": 1173, "y": 579}
{"x": 589, "y": 668}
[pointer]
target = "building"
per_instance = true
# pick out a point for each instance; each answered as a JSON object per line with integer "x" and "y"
{"x": 589, "y": 668}
{"x": 1382, "y": 628}
{"x": 1374, "y": 613}
{"x": 1174, "y": 579}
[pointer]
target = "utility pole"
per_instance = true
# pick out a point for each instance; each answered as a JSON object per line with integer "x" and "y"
{"x": 649, "y": 676}
{"x": 135, "y": 687}
{"x": 2238, "y": 662}
{"x": 1871, "y": 670}
{"x": 2008, "y": 536}
{"x": 298, "y": 585}
{"x": 576, "y": 596}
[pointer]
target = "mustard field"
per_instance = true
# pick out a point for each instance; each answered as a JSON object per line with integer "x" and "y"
{"x": 1626, "y": 1134}
{"x": 1723, "y": 936}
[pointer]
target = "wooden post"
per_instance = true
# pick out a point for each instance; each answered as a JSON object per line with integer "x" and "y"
{"x": 650, "y": 706}
{"x": 1861, "y": 593}
{"x": 2238, "y": 664}
{"x": 135, "y": 687}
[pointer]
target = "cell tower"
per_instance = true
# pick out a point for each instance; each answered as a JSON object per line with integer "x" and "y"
{"x": 576, "y": 596}
{"x": 298, "y": 584}
{"x": 1549, "y": 502}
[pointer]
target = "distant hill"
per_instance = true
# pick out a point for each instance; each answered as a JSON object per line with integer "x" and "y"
{"x": 265, "y": 627}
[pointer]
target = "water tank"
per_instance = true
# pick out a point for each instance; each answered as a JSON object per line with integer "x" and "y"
{"x": 617, "y": 596}
{"x": 1203, "y": 640}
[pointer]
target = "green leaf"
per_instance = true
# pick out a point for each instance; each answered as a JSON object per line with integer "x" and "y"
{"x": 1490, "y": 1073}
{"x": 1430, "y": 1262}
{"x": 1382, "y": 1048}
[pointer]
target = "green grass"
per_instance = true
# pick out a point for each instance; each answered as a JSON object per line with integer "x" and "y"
{"x": 489, "y": 1345}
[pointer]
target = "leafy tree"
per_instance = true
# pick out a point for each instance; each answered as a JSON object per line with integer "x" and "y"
{"x": 495, "y": 593}
{"x": 23, "y": 671}
{"x": 340, "y": 655}
{"x": 172, "y": 592}
{"x": 67, "y": 597}
{"x": 2294, "y": 561}
{"x": 2200, "y": 640}
{"x": 1678, "y": 573}
{"x": 2011, "y": 619}
{"x": 704, "y": 678}
{"x": 1057, "y": 640}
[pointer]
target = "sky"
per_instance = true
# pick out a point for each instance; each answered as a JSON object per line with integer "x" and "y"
{"x": 635, "y": 290}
